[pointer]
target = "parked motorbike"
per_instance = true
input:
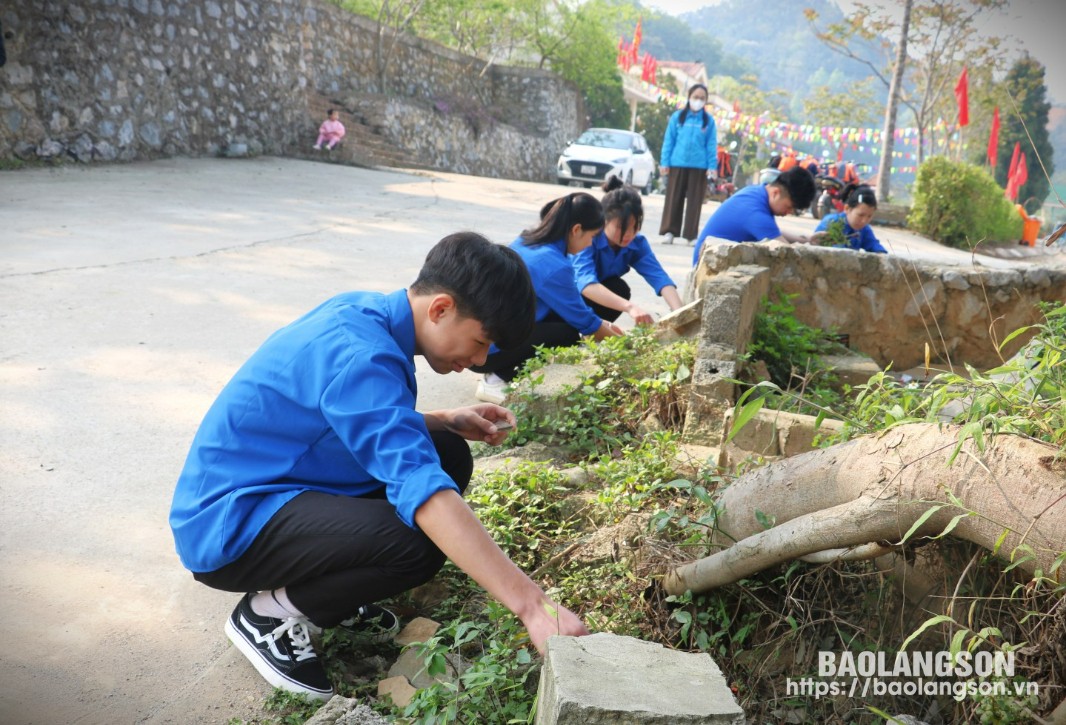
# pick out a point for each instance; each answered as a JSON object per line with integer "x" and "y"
{"x": 719, "y": 190}
{"x": 828, "y": 197}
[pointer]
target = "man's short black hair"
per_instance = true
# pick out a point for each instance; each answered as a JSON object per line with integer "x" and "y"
{"x": 489, "y": 283}
{"x": 799, "y": 184}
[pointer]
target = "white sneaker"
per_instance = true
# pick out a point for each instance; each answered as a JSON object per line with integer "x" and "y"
{"x": 668, "y": 238}
{"x": 492, "y": 389}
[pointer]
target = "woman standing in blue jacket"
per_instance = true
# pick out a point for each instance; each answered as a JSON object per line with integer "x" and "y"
{"x": 567, "y": 226}
{"x": 689, "y": 158}
{"x": 614, "y": 251}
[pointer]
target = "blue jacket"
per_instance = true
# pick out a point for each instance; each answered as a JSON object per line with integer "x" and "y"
{"x": 600, "y": 261}
{"x": 863, "y": 240}
{"x": 690, "y": 145}
{"x": 326, "y": 404}
{"x": 553, "y": 282}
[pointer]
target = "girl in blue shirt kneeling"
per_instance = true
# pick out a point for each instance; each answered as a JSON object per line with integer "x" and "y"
{"x": 860, "y": 203}
{"x": 567, "y": 226}
{"x": 614, "y": 251}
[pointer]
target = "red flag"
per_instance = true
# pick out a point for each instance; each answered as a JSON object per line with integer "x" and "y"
{"x": 653, "y": 68}
{"x": 1014, "y": 161}
{"x": 1018, "y": 174}
{"x": 645, "y": 67}
{"x": 1021, "y": 174}
{"x": 625, "y": 55}
{"x": 637, "y": 35}
{"x": 993, "y": 139}
{"x": 962, "y": 96}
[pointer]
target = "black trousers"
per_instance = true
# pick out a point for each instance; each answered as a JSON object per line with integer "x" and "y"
{"x": 620, "y": 288}
{"x": 334, "y": 554}
{"x": 552, "y": 331}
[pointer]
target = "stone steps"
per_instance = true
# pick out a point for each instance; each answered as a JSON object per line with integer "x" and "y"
{"x": 362, "y": 145}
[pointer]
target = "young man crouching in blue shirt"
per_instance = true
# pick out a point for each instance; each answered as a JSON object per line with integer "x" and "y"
{"x": 748, "y": 215}
{"x": 314, "y": 485}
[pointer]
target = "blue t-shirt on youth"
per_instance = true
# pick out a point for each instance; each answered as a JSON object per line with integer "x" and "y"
{"x": 326, "y": 404}
{"x": 744, "y": 217}
{"x": 600, "y": 261}
{"x": 863, "y": 240}
{"x": 553, "y": 282}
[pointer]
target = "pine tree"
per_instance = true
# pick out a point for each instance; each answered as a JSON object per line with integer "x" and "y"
{"x": 1025, "y": 84}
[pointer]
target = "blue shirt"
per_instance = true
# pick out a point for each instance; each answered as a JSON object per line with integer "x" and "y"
{"x": 601, "y": 261}
{"x": 744, "y": 217}
{"x": 326, "y": 404}
{"x": 690, "y": 144}
{"x": 553, "y": 282}
{"x": 863, "y": 239}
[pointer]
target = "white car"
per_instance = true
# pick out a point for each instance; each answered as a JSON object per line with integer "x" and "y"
{"x": 602, "y": 152}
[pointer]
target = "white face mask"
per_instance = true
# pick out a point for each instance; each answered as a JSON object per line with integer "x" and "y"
{"x": 696, "y": 104}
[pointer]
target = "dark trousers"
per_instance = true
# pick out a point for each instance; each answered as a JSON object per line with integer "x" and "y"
{"x": 620, "y": 288}
{"x": 334, "y": 554}
{"x": 685, "y": 189}
{"x": 552, "y": 331}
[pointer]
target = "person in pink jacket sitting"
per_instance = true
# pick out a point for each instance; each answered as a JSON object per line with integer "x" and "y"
{"x": 330, "y": 132}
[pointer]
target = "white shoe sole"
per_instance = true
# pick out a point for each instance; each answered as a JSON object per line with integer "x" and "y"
{"x": 267, "y": 672}
{"x": 489, "y": 395}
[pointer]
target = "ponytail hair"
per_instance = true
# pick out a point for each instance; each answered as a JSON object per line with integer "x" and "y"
{"x": 855, "y": 194}
{"x": 557, "y": 217}
{"x": 622, "y": 202}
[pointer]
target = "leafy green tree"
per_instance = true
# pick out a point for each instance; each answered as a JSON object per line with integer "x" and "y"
{"x": 487, "y": 29}
{"x": 652, "y": 119}
{"x": 1025, "y": 121}
{"x": 577, "y": 43}
{"x": 394, "y": 17}
{"x": 854, "y": 107}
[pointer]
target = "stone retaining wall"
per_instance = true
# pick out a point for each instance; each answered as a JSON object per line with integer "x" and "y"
{"x": 890, "y": 307}
{"x": 138, "y": 79}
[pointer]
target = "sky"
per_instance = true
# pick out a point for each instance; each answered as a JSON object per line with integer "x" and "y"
{"x": 1033, "y": 25}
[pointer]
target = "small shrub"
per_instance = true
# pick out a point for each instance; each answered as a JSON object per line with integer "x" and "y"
{"x": 800, "y": 380}
{"x": 960, "y": 205}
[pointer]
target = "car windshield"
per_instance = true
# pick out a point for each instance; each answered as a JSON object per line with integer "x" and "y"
{"x": 605, "y": 139}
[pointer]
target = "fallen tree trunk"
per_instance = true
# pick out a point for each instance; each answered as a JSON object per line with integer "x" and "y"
{"x": 874, "y": 489}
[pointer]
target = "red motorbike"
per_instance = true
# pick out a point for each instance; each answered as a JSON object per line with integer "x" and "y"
{"x": 827, "y": 199}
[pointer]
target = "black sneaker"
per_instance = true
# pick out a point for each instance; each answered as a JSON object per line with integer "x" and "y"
{"x": 280, "y": 649}
{"x": 372, "y": 623}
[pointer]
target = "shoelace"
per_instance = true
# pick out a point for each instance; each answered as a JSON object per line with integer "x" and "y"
{"x": 299, "y": 631}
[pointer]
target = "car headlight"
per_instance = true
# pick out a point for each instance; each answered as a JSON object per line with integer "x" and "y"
{"x": 620, "y": 161}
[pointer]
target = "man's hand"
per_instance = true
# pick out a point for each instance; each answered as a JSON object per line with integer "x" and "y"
{"x": 475, "y": 422}
{"x": 549, "y": 618}
{"x": 664, "y": 170}
{"x": 711, "y": 175}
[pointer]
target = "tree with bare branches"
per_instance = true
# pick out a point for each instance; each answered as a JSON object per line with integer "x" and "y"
{"x": 935, "y": 39}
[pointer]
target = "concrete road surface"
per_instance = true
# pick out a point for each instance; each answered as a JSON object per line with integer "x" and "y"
{"x": 128, "y": 296}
